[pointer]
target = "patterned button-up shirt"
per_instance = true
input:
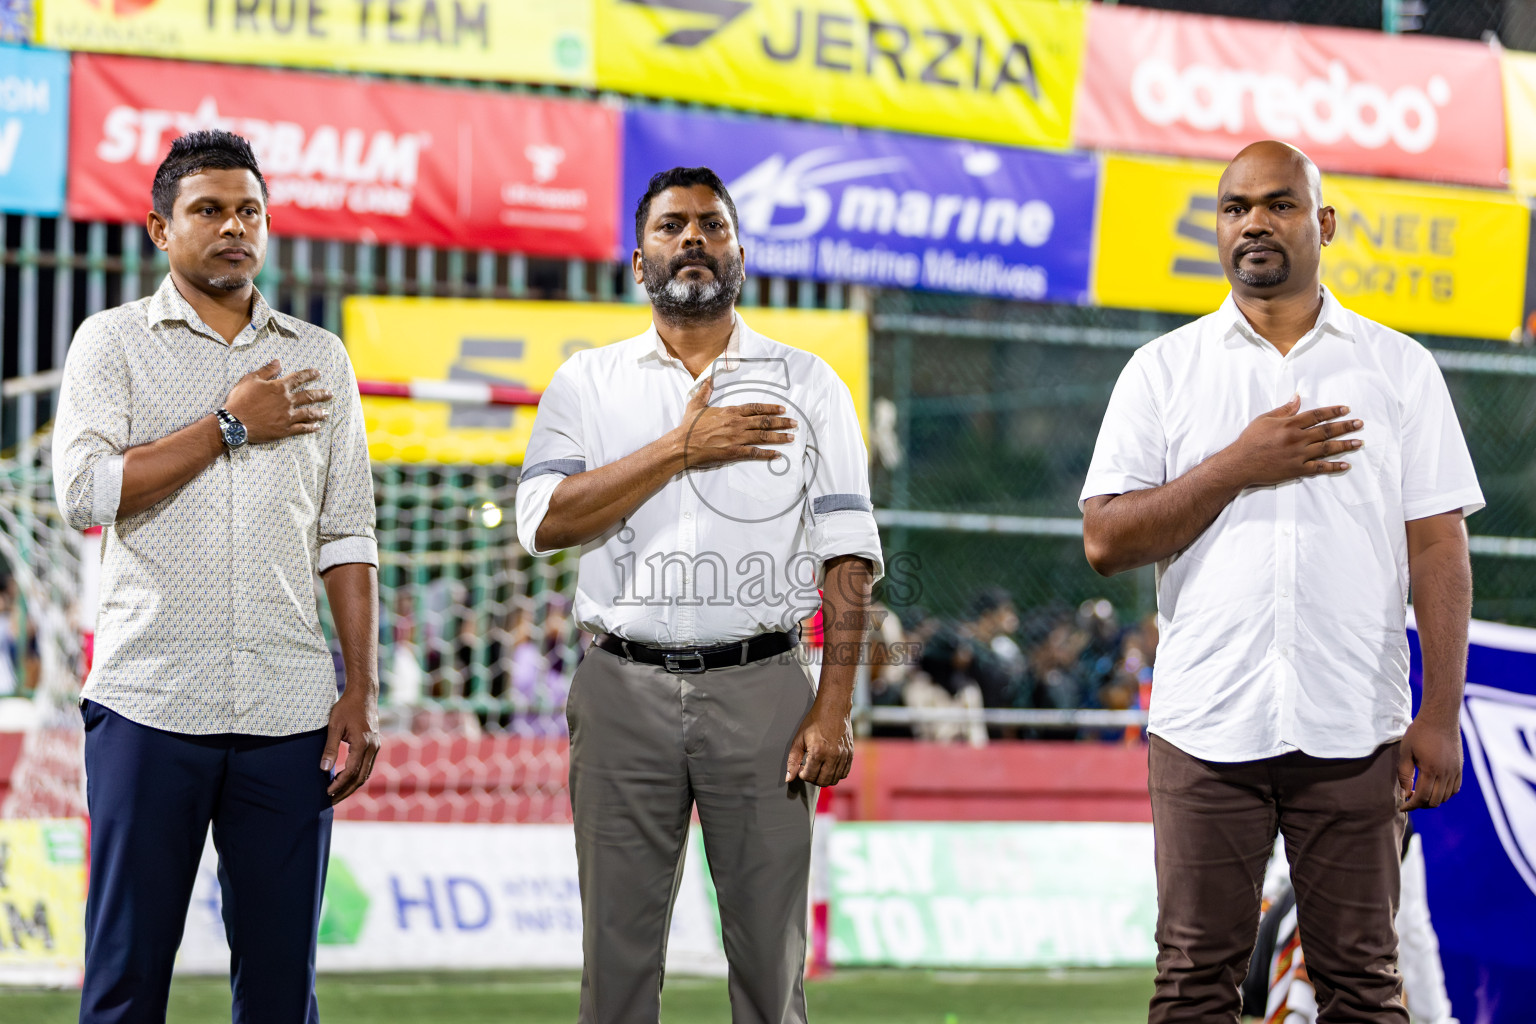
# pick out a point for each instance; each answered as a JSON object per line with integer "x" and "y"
{"x": 207, "y": 620}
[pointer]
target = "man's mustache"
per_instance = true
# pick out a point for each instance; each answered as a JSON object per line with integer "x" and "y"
{"x": 1249, "y": 247}
{"x": 693, "y": 259}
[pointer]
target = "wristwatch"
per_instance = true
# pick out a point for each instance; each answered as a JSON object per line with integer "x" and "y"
{"x": 232, "y": 429}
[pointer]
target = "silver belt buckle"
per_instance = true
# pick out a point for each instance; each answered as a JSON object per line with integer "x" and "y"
{"x": 676, "y": 663}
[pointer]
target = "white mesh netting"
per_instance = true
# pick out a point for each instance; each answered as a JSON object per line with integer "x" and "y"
{"x": 49, "y": 595}
{"x": 477, "y": 648}
{"x": 477, "y": 656}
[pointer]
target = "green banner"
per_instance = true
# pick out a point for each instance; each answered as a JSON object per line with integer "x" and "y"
{"x": 1019, "y": 894}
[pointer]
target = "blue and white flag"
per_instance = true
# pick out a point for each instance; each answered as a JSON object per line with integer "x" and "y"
{"x": 1480, "y": 847}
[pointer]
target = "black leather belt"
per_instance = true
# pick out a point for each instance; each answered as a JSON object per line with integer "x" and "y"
{"x": 691, "y": 660}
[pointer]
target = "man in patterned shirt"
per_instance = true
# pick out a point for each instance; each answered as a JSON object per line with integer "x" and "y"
{"x": 224, "y": 485}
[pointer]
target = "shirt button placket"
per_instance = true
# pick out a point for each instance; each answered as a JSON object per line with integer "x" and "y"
{"x": 686, "y": 616}
{"x": 1285, "y": 596}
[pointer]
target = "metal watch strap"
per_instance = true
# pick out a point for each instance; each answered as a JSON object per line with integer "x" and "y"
{"x": 227, "y": 420}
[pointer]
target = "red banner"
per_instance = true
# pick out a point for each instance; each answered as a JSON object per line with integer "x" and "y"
{"x": 1363, "y": 102}
{"x": 357, "y": 161}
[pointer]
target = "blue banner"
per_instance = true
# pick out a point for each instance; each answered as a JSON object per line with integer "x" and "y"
{"x": 34, "y": 118}
{"x": 1480, "y": 847}
{"x": 867, "y": 207}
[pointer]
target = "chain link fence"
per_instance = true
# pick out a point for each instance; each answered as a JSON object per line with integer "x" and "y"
{"x": 997, "y": 406}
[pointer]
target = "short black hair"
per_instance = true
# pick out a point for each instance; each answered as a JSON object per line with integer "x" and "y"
{"x": 989, "y": 600}
{"x": 196, "y": 152}
{"x": 683, "y": 177}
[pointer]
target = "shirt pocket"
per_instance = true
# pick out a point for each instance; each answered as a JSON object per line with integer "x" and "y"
{"x": 760, "y": 479}
{"x": 1361, "y": 483}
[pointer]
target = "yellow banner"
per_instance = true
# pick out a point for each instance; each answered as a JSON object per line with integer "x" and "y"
{"x": 42, "y": 901}
{"x": 1520, "y": 118}
{"x": 520, "y": 344}
{"x": 1420, "y": 258}
{"x": 1000, "y": 72}
{"x": 512, "y": 40}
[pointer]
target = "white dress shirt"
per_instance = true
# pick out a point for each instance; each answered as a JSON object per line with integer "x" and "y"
{"x": 1282, "y": 625}
{"x": 723, "y": 552}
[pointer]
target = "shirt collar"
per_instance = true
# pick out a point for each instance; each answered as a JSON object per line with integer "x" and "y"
{"x": 1333, "y": 318}
{"x": 652, "y": 347}
{"x": 168, "y": 305}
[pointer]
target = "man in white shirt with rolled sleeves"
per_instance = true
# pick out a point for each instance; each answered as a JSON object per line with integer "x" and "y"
{"x": 713, "y": 478}
{"x": 1290, "y": 467}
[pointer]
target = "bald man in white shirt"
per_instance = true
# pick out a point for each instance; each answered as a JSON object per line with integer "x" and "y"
{"x": 1290, "y": 467}
{"x": 712, "y": 478}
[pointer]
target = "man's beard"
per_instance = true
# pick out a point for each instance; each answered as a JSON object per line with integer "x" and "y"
{"x": 1263, "y": 278}
{"x": 692, "y": 302}
{"x": 231, "y": 282}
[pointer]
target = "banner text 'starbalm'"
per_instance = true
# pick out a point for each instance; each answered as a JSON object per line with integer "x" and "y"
{"x": 1480, "y": 846}
{"x": 354, "y": 160}
{"x": 843, "y": 204}
{"x": 1408, "y": 107}
{"x": 34, "y": 112}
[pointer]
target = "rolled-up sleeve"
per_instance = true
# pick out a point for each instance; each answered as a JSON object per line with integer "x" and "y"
{"x": 555, "y": 451}
{"x": 346, "y": 528}
{"x": 91, "y": 427}
{"x": 1131, "y": 454}
{"x": 841, "y": 517}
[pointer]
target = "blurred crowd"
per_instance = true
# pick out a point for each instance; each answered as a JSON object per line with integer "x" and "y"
{"x": 994, "y": 657}
{"x": 441, "y": 667}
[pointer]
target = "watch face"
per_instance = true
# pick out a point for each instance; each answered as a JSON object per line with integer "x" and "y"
{"x": 234, "y": 434}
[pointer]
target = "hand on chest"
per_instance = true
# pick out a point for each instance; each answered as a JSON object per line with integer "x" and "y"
{"x": 1203, "y": 420}
{"x": 749, "y": 488}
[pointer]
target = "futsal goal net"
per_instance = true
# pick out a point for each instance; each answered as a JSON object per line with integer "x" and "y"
{"x": 477, "y": 648}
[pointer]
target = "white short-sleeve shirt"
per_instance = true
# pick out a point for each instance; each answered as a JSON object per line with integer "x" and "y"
{"x": 1282, "y": 625}
{"x": 723, "y": 552}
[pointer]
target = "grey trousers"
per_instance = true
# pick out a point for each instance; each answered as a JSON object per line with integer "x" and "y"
{"x": 646, "y": 746}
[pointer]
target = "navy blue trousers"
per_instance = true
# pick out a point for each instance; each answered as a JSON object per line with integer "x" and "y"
{"x": 152, "y": 797}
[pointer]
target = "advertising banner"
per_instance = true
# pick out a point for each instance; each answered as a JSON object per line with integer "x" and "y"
{"x": 16, "y": 21}
{"x": 973, "y": 68}
{"x": 1025, "y": 894}
{"x": 1415, "y": 257}
{"x": 34, "y": 113}
{"x": 414, "y": 896}
{"x": 1480, "y": 846}
{"x": 511, "y": 40}
{"x": 356, "y": 160}
{"x": 521, "y": 344}
{"x": 1363, "y": 102}
{"x": 42, "y": 901}
{"x": 1519, "y": 71}
{"x": 843, "y": 204}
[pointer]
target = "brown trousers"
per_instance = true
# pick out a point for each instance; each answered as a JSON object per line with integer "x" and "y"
{"x": 1214, "y": 825}
{"x": 647, "y": 746}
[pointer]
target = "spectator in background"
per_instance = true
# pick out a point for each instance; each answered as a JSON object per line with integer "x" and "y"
{"x": 941, "y": 680}
{"x": 995, "y": 659}
{"x": 889, "y": 663}
{"x": 1056, "y": 664}
{"x": 1101, "y": 646}
{"x": 537, "y": 664}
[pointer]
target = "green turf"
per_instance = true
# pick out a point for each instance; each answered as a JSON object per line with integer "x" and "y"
{"x": 848, "y": 997}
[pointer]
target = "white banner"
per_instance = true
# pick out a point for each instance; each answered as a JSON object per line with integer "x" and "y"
{"x": 410, "y": 896}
